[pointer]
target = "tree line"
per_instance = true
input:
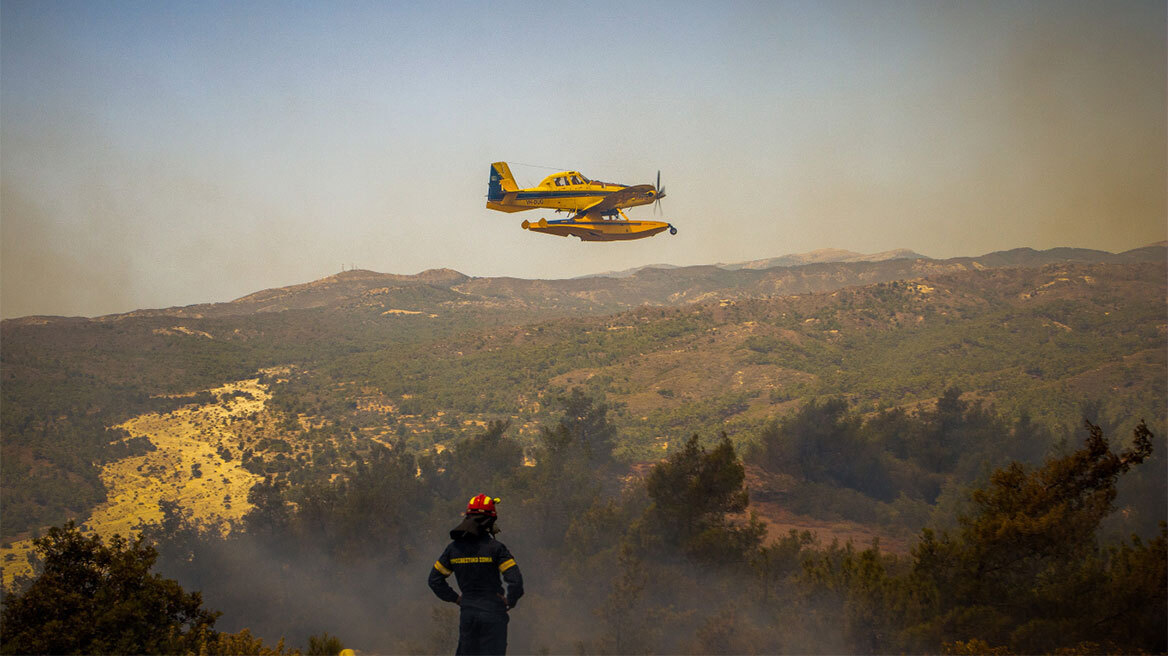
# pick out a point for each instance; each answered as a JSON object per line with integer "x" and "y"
{"x": 665, "y": 559}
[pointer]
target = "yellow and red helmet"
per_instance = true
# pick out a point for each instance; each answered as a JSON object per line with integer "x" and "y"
{"x": 482, "y": 505}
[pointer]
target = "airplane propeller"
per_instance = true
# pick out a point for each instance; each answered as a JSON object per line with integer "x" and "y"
{"x": 659, "y": 193}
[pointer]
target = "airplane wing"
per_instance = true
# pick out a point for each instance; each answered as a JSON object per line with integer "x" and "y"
{"x": 618, "y": 199}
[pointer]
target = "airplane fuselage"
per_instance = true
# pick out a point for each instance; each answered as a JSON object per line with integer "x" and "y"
{"x": 567, "y": 191}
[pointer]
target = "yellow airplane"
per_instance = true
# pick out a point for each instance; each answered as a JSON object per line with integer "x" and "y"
{"x": 597, "y": 208}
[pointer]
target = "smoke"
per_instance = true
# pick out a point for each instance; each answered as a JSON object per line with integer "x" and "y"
{"x": 991, "y": 129}
{"x": 587, "y": 594}
{"x": 230, "y": 166}
{"x": 47, "y": 269}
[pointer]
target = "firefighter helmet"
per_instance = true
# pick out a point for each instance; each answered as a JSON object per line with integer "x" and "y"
{"x": 481, "y": 505}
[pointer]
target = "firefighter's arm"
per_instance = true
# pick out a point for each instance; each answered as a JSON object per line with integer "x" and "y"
{"x": 511, "y": 576}
{"x": 438, "y": 584}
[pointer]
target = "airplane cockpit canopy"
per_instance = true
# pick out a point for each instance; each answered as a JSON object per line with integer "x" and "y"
{"x": 569, "y": 178}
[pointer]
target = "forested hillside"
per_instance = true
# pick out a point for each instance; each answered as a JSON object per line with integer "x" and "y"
{"x": 430, "y": 353}
{"x": 667, "y": 562}
{"x": 298, "y": 454}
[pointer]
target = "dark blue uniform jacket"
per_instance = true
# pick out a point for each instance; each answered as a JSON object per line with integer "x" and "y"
{"x": 478, "y": 562}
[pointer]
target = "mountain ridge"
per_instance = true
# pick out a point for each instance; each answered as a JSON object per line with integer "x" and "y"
{"x": 658, "y": 284}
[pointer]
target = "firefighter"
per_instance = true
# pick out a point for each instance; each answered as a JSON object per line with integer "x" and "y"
{"x": 478, "y": 561}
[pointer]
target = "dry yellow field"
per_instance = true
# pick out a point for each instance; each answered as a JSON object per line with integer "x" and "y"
{"x": 186, "y": 467}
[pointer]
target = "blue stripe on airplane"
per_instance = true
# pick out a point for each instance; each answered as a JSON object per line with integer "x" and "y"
{"x": 526, "y": 195}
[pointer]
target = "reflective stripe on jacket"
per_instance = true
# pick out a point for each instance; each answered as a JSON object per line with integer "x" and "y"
{"x": 480, "y": 564}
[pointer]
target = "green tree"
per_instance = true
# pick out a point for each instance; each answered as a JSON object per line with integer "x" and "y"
{"x": 1023, "y": 573}
{"x": 778, "y": 560}
{"x": 693, "y": 492}
{"x": 1025, "y": 569}
{"x": 350, "y": 517}
{"x": 823, "y": 442}
{"x": 93, "y": 598}
{"x": 584, "y": 428}
{"x": 479, "y": 464}
{"x": 874, "y": 602}
{"x": 270, "y": 513}
{"x": 574, "y": 468}
{"x": 631, "y": 625}
{"x": 324, "y": 645}
{"x": 241, "y": 644}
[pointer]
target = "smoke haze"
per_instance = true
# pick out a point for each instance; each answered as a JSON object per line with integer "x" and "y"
{"x": 161, "y": 155}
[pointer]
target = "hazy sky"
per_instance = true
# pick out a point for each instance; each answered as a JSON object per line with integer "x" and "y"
{"x": 167, "y": 153}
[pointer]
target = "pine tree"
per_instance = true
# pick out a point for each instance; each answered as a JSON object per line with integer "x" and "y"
{"x": 94, "y": 598}
{"x": 1025, "y": 569}
{"x": 693, "y": 493}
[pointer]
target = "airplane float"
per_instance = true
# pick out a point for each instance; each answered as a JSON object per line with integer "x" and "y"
{"x": 596, "y": 208}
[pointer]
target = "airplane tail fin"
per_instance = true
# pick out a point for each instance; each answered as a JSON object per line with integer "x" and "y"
{"x": 501, "y": 181}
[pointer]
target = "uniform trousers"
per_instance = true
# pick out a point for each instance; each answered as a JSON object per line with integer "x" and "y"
{"x": 482, "y": 632}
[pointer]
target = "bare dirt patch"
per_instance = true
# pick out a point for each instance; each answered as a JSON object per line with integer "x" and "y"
{"x": 196, "y": 463}
{"x": 780, "y": 522}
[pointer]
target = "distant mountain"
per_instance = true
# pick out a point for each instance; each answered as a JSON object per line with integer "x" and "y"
{"x": 1028, "y": 257}
{"x": 824, "y": 255}
{"x": 446, "y": 293}
{"x": 332, "y": 291}
{"x": 625, "y": 273}
{"x": 1015, "y": 257}
{"x": 820, "y": 256}
{"x": 335, "y": 288}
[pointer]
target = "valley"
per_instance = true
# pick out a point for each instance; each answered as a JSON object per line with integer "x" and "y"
{"x": 297, "y": 454}
{"x": 199, "y": 403}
